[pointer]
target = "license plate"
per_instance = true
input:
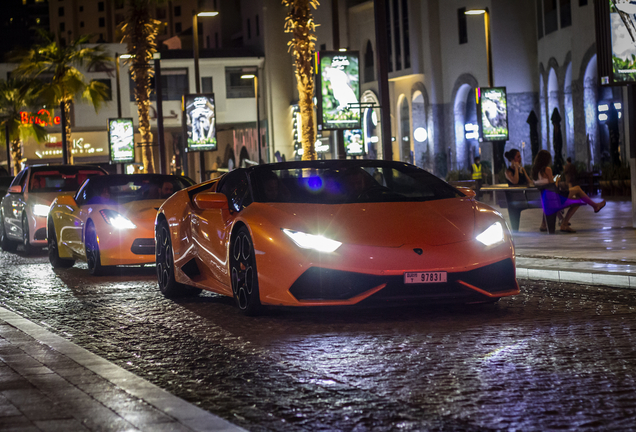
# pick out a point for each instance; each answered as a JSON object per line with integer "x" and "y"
{"x": 424, "y": 277}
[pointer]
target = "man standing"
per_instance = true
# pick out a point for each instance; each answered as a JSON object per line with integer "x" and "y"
{"x": 477, "y": 177}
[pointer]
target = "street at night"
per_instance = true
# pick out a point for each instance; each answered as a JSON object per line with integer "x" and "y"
{"x": 558, "y": 356}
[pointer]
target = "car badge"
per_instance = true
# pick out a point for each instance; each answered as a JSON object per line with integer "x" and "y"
{"x": 418, "y": 251}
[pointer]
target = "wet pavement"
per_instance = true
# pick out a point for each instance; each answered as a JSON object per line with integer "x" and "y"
{"x": 557, "y": 356}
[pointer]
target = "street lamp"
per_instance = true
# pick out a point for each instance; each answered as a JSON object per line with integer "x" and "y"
{"x": 258, "y": 125}
{"x": 197, "y": 78}
{"x": 486, "y": 15}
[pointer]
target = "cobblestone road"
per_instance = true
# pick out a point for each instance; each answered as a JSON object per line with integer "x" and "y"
{"x": 557, "y": 356}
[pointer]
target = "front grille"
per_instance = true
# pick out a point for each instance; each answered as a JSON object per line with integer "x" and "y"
{"x": 143, "y": 246}
{"x": 326, "y": 284}
{"x": 40, "y": 234}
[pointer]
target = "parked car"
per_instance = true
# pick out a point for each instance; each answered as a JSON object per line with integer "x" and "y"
{"x": 26, "y": 205}
{"x": 324, "y": 233}
{"x": 109, "y": 221}
{"x": 5, "y": 182}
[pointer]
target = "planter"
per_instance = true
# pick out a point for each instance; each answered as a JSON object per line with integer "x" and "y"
{"x": 617, "y": 187}
{"x": 606, "y": 187}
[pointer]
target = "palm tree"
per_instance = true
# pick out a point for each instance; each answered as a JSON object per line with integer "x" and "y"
{"x": 140, "y": 31}
{"x": 300, "y": 23}
{"x": 15, "y": 96}
{"x": 61, "y": 80}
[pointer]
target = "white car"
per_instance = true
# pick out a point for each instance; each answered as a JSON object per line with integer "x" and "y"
{"x": 26, "y": 205}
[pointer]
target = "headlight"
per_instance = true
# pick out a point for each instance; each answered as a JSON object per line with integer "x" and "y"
{"x": 117, "y": 220}
{"x": 310, "y": 241}
{"x": 40, "y": 210}
{"x": 494, "y": 234}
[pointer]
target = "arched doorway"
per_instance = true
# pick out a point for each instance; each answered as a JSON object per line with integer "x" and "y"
{"x": 423, "y": 155}
{"x": 405, "y": 142}
{"x": 553, "y": 102}
{"x": 465, "y": 116}
{"x": 371, "y": 126}
{"x": 590, "y": 103}
{"x": 569, "y": 113}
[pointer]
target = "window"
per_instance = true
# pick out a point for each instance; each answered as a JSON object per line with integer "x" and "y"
{"x": 82, "y": 24}
{"x": 235, "y": 86}
{"x": 62, "y": 26}
{"x": 369, "y": 63}
{"x": 161, "y": 13}
{"x": 550, "y": 16}
{"x": 582, "y": 2}
{"x": 249, "y": 29}
{"x": 461, "y": 24}
{"x": 565, "y": 13}
{"x": 119, "y": 4}
{"x": 60, "y": 11}
{"x": 539, "y": 19}
{"x": 107, "y": 83}
{"x": 405, "y": 34}
{"x": 81, "y": 8}
{"x": 177, "y": 27}
{"x": 206, "y": 85}
{"x": 177, "y": 11}
{"x": 102, "y": 22}
{"x": 174, "y": 84}
{"x": 100, "y": 6}
{"x": 119, "y": 18}
{"x": 258, "y": 30}
{"x": 396, "y": 31}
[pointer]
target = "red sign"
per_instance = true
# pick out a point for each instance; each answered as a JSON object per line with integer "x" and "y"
{"x": 44, "y": 118}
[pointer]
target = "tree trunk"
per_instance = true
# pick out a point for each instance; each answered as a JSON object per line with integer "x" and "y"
{"x": 67, "y": 131}
{"x": 143, "y": 111}
{"x": 16, "y": 156}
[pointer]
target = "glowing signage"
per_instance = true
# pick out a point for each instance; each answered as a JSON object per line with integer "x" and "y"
{"x": 623, "y": 40}
{"x": 80, "y": 147}
{"x": 493, "y": 113}
{"x": 339, "y": 90}
{"x": 199, "y": 122}
{"x": 42, "y": 118}
{"x": 121, "y": 140}
{"x": 354, "y": 143}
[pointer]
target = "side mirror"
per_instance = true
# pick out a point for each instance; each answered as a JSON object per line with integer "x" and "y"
{"x": 67, "y": 200}
{"x": 211, "y": 200}
{"x": 15, "y": 189}
{"x": 466, "y": 191}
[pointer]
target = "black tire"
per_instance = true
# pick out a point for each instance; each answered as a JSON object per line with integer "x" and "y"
{"x": 54, "y": 253}
{"x": 92, "y": 251}
{"x": 6, "y": 243}
{"x": 244, "y": 274}
{"x": 164, "y": 260}
{"x": 26, "y": 243}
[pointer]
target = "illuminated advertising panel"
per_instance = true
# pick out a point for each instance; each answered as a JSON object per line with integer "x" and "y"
{"x": 354, "y": 142}
{"x": 493, "y": 113}
{"x": 622, "y": 20}
{"x": 339, "y": 90}
{"x": 199, "y": 122}
{"x": 121, "y": 140}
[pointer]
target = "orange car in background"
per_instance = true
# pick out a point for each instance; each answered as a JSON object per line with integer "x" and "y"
{"x": 109, "y": 221}
{"x": 337, "y": 232}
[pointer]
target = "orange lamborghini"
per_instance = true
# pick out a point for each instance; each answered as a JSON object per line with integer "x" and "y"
{"x": 109, "y": 220}
{"x": 337, "y": 232}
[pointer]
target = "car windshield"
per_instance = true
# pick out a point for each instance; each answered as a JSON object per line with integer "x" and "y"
{"x": 121, "y": 189}
{"x": 348, "y": 183}
{"x": 60, "y": 179}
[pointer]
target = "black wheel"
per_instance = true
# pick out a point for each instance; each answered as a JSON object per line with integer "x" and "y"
{"x": 6, "y": 243}
{"x": 244, "y": 274}
{"x": 54, "y": 255}
{"x": 26, "y": 243}
{"x": 92, "y": 251}
{"x": 164, "y": 259}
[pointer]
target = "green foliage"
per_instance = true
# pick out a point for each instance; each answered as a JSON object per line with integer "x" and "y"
{"x": 628, "y": 64}
{"x": 458, "y": 175}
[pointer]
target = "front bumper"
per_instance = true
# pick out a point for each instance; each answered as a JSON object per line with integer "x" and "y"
{"x": 319, "y": 286}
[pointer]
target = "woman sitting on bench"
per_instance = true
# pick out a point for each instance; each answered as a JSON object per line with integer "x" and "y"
{"x": 571, "y": 197}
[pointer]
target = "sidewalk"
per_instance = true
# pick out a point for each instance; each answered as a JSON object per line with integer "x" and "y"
{"x": 50, "y": 384}
{"x": 601, "y": 252}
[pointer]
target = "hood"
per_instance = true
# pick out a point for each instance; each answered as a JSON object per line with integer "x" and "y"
{"x": 140, "y": 210}
{"x": 45, "y": 198}
{"x": 430, "y": 223}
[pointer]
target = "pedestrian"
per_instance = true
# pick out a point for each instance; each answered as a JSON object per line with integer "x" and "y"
{"x": 477, "y": 176}
{"x": 571, "y": 199}
{"x": 516, "y": 173}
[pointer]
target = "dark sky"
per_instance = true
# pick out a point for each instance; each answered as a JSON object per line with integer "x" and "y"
{"x": 17, "y": 22}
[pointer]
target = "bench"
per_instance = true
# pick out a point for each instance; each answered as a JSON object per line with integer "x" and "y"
{"x": 518, "y": 198}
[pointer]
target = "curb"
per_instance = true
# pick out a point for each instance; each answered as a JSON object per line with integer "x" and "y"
{"x": 183, "y": 412}
{"x": 587, "y": 278}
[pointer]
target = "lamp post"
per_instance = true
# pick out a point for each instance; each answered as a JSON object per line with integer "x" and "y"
{"x": 486, "y": 15}
{"x": 197, "y": 78}
{"x": 258, "y": 122}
